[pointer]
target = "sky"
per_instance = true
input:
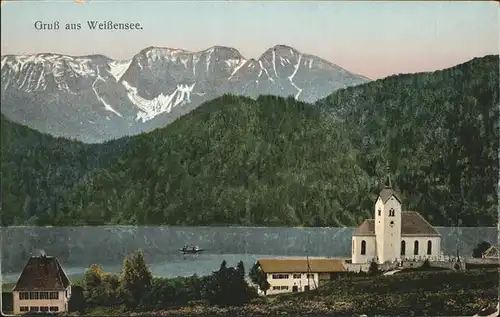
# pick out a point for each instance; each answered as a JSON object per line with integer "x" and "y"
{"x": 374, "y": 39}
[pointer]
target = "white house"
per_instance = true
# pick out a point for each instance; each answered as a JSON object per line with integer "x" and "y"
{"x": 299, "y": 274}
{"x": 394, "y": 235}
{"x": 42, "y": 287}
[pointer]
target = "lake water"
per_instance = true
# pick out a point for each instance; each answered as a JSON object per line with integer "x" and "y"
{"x": 79, "y": 247}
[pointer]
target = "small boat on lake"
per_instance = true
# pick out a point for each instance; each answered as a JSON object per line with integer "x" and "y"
{"x": 191, "y": 249}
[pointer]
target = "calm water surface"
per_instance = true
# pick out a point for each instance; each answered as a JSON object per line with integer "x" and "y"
{"x": 79, "y": 247}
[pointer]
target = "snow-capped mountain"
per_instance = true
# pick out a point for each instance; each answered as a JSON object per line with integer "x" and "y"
{"x": 94, "y": 98}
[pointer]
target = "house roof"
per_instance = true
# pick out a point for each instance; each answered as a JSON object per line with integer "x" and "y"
{"x": 42, "y": 273}
{"x": 386, "y": 193}
{"x": 492, "y": 251}
{"x": 412, "y": 224}
{"x": 301, "y": 265}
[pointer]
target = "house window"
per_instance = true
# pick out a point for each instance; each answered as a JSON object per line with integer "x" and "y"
{"x": 403, "y": 247}
{"x": 23, "y": 308}
{"x": 54, "y": 295}
{"x": 415, "y": 247}
{"x": 44, "y": 308}
{"x": 54, "y": 308}
{"x": 24, "y": 295}
{"x": 380, "y": 212}
{"x": 33, "y": 308}
{"x": 44, "y": 295}
{"x": 310, "y": 275}
{"x": 34, "y": 295}
{"x": 363, "y": 247}
{"x": 391, "y": 212}
{"x": 284, "y": 287}
{"x": 429, "y": 247}
{"x": 280, "y": 276}
{"x": 297, "y": 275}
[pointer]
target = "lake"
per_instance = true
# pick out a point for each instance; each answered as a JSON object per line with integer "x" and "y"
{"x": 79, "y": 247}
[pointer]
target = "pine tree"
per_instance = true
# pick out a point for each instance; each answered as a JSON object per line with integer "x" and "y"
{"x": 259, "y": 278}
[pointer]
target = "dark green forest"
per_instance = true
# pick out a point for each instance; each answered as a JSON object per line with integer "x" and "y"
{"x": 276, "y": 161}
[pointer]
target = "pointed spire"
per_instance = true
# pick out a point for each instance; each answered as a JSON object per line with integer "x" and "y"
{"x": 388, "y": 183}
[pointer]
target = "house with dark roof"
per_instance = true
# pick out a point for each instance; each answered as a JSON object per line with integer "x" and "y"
{"x": 393, "y": 234}
{"x": 491, "y": 253}
{"x": 43, "y": 286}
{"x": 299, "y": 274}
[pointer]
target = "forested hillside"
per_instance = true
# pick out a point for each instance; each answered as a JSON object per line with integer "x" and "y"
{"x": 276, "y": 161}
{"x": 439, "y": 134}
{"x": 38, "y": 172}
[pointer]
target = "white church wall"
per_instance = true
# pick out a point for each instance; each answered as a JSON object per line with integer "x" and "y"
{"x": 370, "y": 251}
{"x": 435, "y": 254}
{"x": 389, "y": 246}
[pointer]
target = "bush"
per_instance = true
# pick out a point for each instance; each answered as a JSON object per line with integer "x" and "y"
{"x": 373, "y": 269}
{"x": 426, "y": 264}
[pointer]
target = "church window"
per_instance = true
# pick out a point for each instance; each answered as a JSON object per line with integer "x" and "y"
{"x": 363, "y": 247}
{"x": 391, "y": 212}
{"x": 403, "y": 247}
{"x": 415, "y": 248}
{"x": 429, "y": 247}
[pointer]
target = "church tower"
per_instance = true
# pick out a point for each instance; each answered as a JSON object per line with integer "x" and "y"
{"x": 388, "y": 224}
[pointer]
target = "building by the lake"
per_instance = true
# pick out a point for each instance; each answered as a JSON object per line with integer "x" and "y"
{"x": 299, "y": 274}
{"x": 394, "y": 235}
{"x": 42, "y": 287}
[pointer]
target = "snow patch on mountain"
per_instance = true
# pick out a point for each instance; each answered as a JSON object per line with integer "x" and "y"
{"x": 107, "y": 106}
{"x": 237, "y": 68}
{"x": 118, "y": 68}
{"x": 290, "y": 78}
{"x": 160, "y": 104}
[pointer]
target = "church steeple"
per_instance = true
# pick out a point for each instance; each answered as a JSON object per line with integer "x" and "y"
{"x": 388, "y": 183}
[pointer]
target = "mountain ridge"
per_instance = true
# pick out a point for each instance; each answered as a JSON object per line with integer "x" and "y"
{"x": 274, "y": 161}
{"x": 95, "y": 98}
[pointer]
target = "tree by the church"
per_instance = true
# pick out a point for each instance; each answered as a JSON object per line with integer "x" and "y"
{"x": 373, "y": 269}
{"x": 480, "y": 248}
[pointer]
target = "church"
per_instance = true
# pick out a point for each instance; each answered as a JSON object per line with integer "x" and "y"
{"x": 394, "y": 235}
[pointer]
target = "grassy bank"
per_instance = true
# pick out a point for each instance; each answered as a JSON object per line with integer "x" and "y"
{"x": 432, "y": 293}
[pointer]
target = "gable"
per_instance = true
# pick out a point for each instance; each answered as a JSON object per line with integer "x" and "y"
{"x": 42, "y": 273}
{"x": 412, "y": 223}
{"x": 386, "y": 194}
{"x": 491, "y": 252}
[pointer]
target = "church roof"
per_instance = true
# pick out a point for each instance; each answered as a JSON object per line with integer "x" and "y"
{"x": 42, "y": 273}
{"x": 386, "y": 193}
{"x": 412, "y": 224}
{"x": 366, "y": 228}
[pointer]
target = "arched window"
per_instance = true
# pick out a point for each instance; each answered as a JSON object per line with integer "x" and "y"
{"x": 429, "y": 247}
{"x": 363, "y": 247}
{"x": 403, "y": 247}
{"x": 415, "y": 247}
{"x": 391, "y": 212}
